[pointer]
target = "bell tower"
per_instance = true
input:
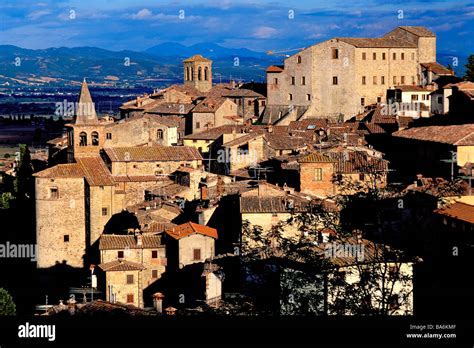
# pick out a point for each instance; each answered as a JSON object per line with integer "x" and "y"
{"x": 198, "y": 73}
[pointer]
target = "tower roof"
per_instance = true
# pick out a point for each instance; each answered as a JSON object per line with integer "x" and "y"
{"x": 85, "y": 109}
{"x": 196, "y": 58}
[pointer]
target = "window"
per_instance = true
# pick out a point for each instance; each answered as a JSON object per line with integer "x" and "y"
{"x": 108, "y": 136}
{"x": 196, "y": 254}
{"x": 402, "y": 80}
{"x": 66, "y": 238}
{"x": 335, "y": 53}
{"x": 120, "y": 254}
{"x": 362, "y": 101}
{"x": 334, "y": 80}
{"x": 263, "y": 103}
{"x": 199, "y": 73}
{"x": 275, "y": 81}
{"x": 318, "y": 174}
{"x": 393, "y": 272}
{"x": 290, "y": 96}
{"x": 363, "y": 80}
{"x": 298, "y": 59}
{"x": 206, "y": 73}
{"x": 129, "y": 278}
{"x": 54, "y": 193}
{"x": 95, "y": 138}
{"x": 440, "y": 100}
{"x": 363, "y": 56}
{"x": 303, "y": 80}
{"x": 374, "y": 80}
{"x": 159, "y": 134}
{"x": 154, "y": 273}
{"x": 374, "y": 56}
{"x": 154, "y": 254}
{"x": 105, "y": 212}
{"x": 394, "y": 56}
{"x": 361, "y": 177}
{"x": 382, "y": 80}
{"x": 383, "y": 56}
{"x": 83, "y": 139}
{"x": 394, "y": 80}
{"x": 198, "y": 125}
{"x": 292, "y": 80}
{"x": 379, "y": 99}
{"x": 413, "y": 56}
{"x": 187, "y": 74}
{"x": 414, "y": 97}
{"x": 403, "y": 56}
{"x": 308, "y": 97}
{"x": 130, "y": 298}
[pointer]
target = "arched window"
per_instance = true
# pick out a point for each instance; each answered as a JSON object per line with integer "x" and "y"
{"x": 206, "y": 73}
{"x": 298, "y": 59}
{"x": 199, "y": 74}
{"x": 159, "y": 134}
{"x": 95, "y": 139}
{"x": 192, "y": 74}
{"x": 83, "y": 139}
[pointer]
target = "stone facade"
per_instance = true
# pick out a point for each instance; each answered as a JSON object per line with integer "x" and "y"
{"x": 343, "y": 75}
{"x": 198, "y": 73}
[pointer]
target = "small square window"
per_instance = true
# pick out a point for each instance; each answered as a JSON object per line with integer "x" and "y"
{"x": 363, "y": 80}
{"x": 154, "y": 273}
{"x": 394, "y": 56}
{"x": 335, "y": 53}
{"x": 129, "y": 278}
{"x": 303, "y": 80}
{"x": 105, "y": 212}
{"x": 108, "y": 136}
{"x": 120, "y": 254}
{"x": 403, "y": 56}
{"x": 54, "y": 193}
{"x": 318, "y": 174}
{"x": 384, "y": 56}
{"x": 308, "y": 97}
{"x": 292, "y": 80}
{"x": 334, "y": 80}
{"x": 364, "y": 56}
{"x": 275, "y": 81}
{"x": 66, "y": 238}
{"x": 374, "y": 56}
{"x": 362, "y": 101}
{"x": 154, "y": 254}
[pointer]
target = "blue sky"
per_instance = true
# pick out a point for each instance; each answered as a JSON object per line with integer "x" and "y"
{"x": 258, "y": 25}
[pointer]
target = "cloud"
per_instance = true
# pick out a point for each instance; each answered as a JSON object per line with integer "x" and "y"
{"x": 37, "y": 14}
{"x": 142, "y": 14}
{"x": 264, "y": 32}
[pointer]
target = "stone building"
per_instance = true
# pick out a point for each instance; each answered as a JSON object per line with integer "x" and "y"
{"x": 74, "y": 201}
{"x": 198, "y": 73}
{"x": 190, "y": 243}
{"x": 339, "y": 77}
{"x": 131, "y": 263}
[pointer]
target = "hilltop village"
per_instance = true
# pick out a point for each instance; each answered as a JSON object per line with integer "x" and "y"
{"x": 352, "y": 164}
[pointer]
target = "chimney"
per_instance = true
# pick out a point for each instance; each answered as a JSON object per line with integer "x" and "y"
{"x": 139, "y": 238}
{"x": 158, "y": 301}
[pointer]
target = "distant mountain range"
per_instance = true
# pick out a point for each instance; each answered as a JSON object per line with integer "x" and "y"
{"x": 158, "y": 64}
{"x": 154, "y": 67}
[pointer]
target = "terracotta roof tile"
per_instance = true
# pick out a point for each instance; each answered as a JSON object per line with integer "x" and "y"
{"x": 118, "y": 241}
{"x": 121, "y": 265}
{"x": 197, "y": 58}
{"x": 459, "y": 211}
{"x": 96, "y": 172}
{"x": 454, "y": 135}
{"x": 437, "y": 68}
{"x": 153, "y": 153}
{"x": 190, "y": 228}
{"x": 275, "y": 68}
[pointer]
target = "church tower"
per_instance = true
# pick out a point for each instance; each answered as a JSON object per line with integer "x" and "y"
{"x": 86, "y": 134}
{"x": 198, "y": 73}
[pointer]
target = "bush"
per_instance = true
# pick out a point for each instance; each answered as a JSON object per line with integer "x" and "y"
{"x": 7, "y": 306}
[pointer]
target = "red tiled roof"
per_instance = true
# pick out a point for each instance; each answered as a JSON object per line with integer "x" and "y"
{"x": 460, "y": 211}
{"x": 153, "y": 153}
{"x": 118, "y": 241}
{"x": 190, "y": 228}
{"x": 437, "y": 68}
{"x": 121, "y": 265}
{"x": 378, "y": 42}
{"x": 70, "y": 170}
{"x": 196, "y": 58}
{"x": 96, "y": 172}
{"x": 454, "y": 135}
{"x": 275, "y": 68}
{"x": 315, "y": 157}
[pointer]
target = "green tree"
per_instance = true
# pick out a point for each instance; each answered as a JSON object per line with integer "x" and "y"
{"x": 5, "y": 200}
{"x": 24, "y": 172}
{"x": 469, "y": 75}
{"x": 7, "y": 306}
